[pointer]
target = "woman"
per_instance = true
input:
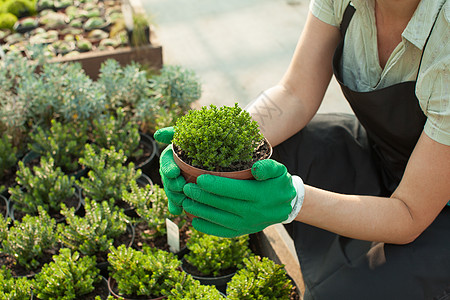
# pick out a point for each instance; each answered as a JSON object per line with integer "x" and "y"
{"x": 371, "y": 220}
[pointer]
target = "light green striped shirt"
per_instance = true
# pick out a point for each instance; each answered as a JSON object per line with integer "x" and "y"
{"x": 361, "y": 69}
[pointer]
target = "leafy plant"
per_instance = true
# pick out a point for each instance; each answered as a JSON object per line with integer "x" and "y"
{"x": 211, "y": 254}
{"x": 95, "y": 232}
{"x": 108, "y": 176}
{"x": 116, "y": 131}
{"x": 63, "y": 142}
{"x": 151, "y": 204}
{"x": 172, "y": 93}
{"x": 7, "y": 20}
{"x": 215, "y": 138}
{"x": 141, "y": 30}
{"x": 260, "y": 279}
{"x": 192, "y": 289}
{"x": 18, "y": 288}
{"x": 68, "y": 277}
{"x": 151, "y": 272}
{"x": 8, "y": 155}
{"x": 46, "y": 186}
{"x": 4, "y": 224}
{"x": 29, "y": 239}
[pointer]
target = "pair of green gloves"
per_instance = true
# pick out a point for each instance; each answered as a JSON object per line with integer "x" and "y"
{"x": 228, "y": 207}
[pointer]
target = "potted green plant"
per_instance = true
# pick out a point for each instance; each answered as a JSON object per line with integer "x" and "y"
{"x": 4, "y": 226}
{"x": 108, "y": 175}
{"x": 29, "y": 244}
{"x": 4, "y": 207}
{"x": 260, "y": 279}
{"x": 64, "y": 143}
{"x": 8, "y": 164}
{"x": 70, "y": 276}
{"x": 17, "y": 288}
{"x": 147, "y": 274}
{"x": 213, "y": 260}
{"x": 221, "y": 141}
{"x": 194, "y": 290}
{"x": 43, "y": 185}
{"x": 151, "y": 205}
{"x": 102, "y": 226}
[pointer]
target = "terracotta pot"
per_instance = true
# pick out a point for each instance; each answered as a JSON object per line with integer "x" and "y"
{"x": 191, "y": 173}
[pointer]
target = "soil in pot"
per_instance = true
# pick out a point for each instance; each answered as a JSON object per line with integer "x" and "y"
{"x": 74, "y": 201}
{"x": 9, "y": 180}
{"x": 144, "y": 233}
{"x": 220, "y": 282}
{"x": 101, "y": 289}
{"x": 112, "y": 285}
{"x": 149, "y": 151}
{"x": 19, "y": 271}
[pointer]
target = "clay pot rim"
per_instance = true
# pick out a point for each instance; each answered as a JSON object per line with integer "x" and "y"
{"x": 241, "y": 174}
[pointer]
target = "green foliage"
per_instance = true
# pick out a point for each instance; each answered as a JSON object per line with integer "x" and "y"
{"x": 45, "y": 186}
{"x": 193, "y": 290}
{"x": 117, "y": 132}
{"x": 149, "y": 272}
{"x": 4, "y": 223}
{"x": 7, "y": 20}
{"x": 8, "y": 155}
{"x": 260, "y": 279}
{"x": 173, "y": 91}
{"x": 96, "y": 231}
{"x": 123, "y": 86}
{"x": 28, "y": 240}
{"x": 211, "y": 254}
{"x": 19, "y": 8}
{"x": 108, "y": 176}
{"x": 217, "y": 137}
{"x": 63, "y": 142}
{"x": 151, "y": 204}
{"x": 139, "y": 36}
{"x": 68, "y": 277}
{"x": 14, "y": 288}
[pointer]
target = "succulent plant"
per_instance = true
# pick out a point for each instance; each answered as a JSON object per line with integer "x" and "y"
{"x": 221, "y": 253}
{"x": 97, "y": 35}
{"x": 94, "y": 23}
{"x": 69, "y": 276}
{"x": 63, "y": 47}
{"x": 29, "y": 239}
{"x": 216, "y": 138}
{"x": 45, "y": 4}
{"x": 54, "y": 20}
{"x": 84, "y": 45}
{"x": 7, "y": 21}
{"x": 26, "y": 24}
{"x": 260, "y": 279}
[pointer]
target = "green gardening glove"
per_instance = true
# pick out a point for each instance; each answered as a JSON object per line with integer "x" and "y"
{"x": 170, "y": 173}
{"x": 229, "y": 207}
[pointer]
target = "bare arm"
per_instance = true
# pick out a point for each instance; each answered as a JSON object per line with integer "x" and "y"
{"x": 421, "y": 195}
{"x": 284, "y": 109}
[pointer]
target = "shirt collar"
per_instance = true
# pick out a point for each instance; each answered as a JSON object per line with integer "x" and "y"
{"x": 419, "y": 27}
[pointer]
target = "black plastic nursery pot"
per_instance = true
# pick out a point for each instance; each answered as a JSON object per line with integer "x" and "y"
{"x": 220, "y": 282}
{"x": 17, "y": 216}
{"x": 112, "y": 285}
{"x": 4, "y": 206}
{"x": 150, "y": 166}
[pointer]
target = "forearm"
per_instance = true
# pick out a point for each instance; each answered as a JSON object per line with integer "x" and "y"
{"x": 279, "y": 113}
{"x": 359, "y": 217}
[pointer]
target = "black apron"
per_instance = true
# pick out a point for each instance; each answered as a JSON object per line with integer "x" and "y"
{"x": 334, "y": 152}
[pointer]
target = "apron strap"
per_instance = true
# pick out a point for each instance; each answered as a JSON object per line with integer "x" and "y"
{"x": 346, "y": 18}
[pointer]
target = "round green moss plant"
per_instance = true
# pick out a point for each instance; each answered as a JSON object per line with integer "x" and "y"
{"x": 7, "y": 21}
{"x": 19, "y": 8}
{"x": 217, "y": 138}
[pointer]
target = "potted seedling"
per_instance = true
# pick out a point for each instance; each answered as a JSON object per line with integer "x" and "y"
{"x": 64, "y": 143}
{"x": 221, "y": 141}
{"x": 147, "y": 274}
{"x": 17, "y": 288}
{"x": 43, "y": 185}
{"x": 8, "y": 163}
{"x": 213, "y": 260}
{"x": 108, "y": 175}
{"x": 151, "y": 205}
{"x": 194, "y": 290}
{"x": 70, "y": 276}
{"x": 29, "y": 244}
{"x": 4, "y": 225}
{"x": 261, "y": 279}
{"x": 102, "y": 226}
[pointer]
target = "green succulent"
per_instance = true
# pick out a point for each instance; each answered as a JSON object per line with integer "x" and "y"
{"x": 214, "y": 138}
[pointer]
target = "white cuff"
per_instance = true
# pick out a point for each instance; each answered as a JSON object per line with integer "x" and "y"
{"x": 297, "y": 202}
